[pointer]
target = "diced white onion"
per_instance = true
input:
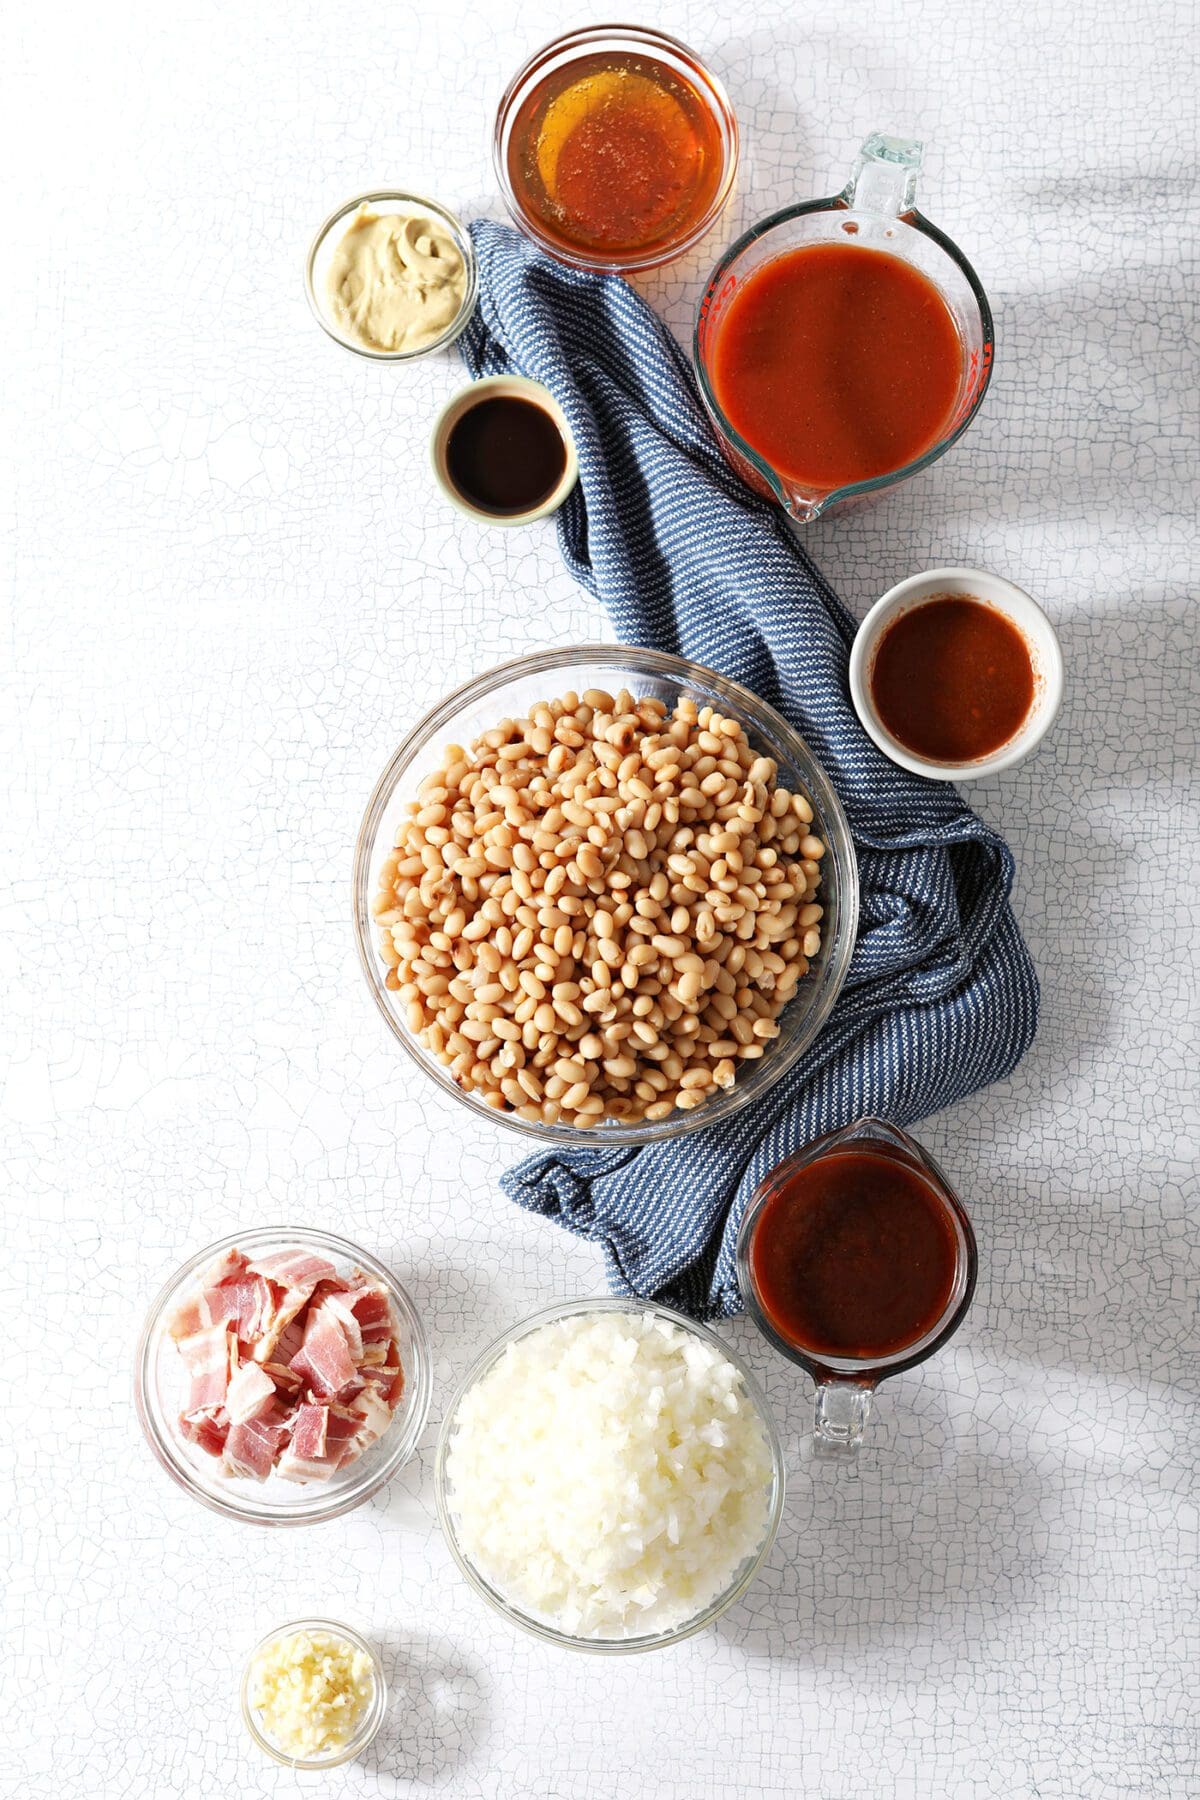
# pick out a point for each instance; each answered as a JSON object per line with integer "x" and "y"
{"x": 609, "y": 1474}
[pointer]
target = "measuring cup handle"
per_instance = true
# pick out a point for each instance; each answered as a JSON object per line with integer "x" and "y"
{"x": 840, "y": 1413}
{"x": 884, "y": 178}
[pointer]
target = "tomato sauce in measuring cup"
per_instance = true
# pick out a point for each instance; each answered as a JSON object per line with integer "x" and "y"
{"x": 841, "y": 344}
{"x": 837, "y": 363}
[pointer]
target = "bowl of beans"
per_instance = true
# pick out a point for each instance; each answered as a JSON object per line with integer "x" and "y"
{"x": 604, "y": 894}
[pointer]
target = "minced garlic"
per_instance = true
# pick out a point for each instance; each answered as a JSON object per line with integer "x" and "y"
{"x": 310, "y": 1690}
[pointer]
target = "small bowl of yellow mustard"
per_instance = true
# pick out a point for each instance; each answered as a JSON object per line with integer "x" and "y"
{"x": 391, "y": 276}
{"x": 313, "y": 1694}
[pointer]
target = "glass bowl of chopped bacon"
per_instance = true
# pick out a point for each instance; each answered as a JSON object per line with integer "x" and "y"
{"x": 282, "y": 1376}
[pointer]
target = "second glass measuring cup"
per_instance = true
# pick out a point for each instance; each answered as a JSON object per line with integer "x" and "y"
{"x": 856, "y": 1259}
{"x": 829, "y": 375}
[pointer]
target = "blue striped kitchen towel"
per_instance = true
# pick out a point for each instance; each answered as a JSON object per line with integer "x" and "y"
{"x": 941, "y": 997}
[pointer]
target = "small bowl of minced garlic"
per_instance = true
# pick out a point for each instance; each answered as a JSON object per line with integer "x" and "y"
{"x": 313, "y": 1694}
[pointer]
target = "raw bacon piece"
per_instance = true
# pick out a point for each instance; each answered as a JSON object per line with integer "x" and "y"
{"x": 295, "y": 1269}
{"x": 206, "y": 1357}
{"x": 286, "y": 1381}
{"x": 325, "y": 1289}
{"x": 294, "y": 1276}
{"x": 244, "y": 1304}
{"x": 226, "y": 1267}
{"x": 190, "y": 1316}
{"x": 324, "y": 1359}
{"x": 290, "y": 1340}
{"x": 373, "y": 1310}
{"x": 300, "y": 1468}
{"x": 226, "y": 1294}
{"x": 282, "y": 1311}
{"x": 316, "y": 1450}
{"x": 204, "y": 1350}
{"x": 197, "y": 1312}
{"x": 251, "y": 1393}
{"x": 340, "y": 1431}
{"x": 207, "y": 1434}
{"x": 252, "y": 1447}
{"x": 286, "y": 1308}
{"x": 374, "y": 1415}
{"x": 349, "y": 1324}
{"x": 309, "y": 1429}
{"x": 388, "y": 1382}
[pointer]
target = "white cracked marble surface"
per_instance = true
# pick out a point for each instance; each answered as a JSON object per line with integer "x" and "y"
{"x": 230, "y": 589}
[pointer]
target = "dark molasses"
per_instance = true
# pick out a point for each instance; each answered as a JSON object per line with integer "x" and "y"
{"x": 505, "y": 455}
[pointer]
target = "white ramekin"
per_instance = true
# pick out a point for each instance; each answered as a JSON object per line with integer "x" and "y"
{"x": 517, "y": 387}
{"x": 1017, "y": 606}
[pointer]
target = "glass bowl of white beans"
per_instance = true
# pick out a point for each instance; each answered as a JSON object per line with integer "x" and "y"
{"x": 604, "y": 895}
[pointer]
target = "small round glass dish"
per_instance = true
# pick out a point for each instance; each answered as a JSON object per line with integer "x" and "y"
{"x": 543, "y": 1628}
{"x": 160, "y": 1381}
{"x": 509, "y": 692}
{"x": 327, "y": 239}
{"x": 597, "y": 49}
{"x": 367, "y": 1726}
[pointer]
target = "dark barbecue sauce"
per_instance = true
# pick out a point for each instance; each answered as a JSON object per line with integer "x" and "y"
{"x": 505, "y": 455}
{"x": 854, "y": 1256}
{"x": 952, "y": 679}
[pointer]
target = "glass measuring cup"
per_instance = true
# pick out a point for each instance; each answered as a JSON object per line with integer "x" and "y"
{"x": 846, "y": 1383}
{"x": 876, "y": 209}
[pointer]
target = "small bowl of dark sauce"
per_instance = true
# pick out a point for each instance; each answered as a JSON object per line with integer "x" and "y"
{"x": 956, "y": 674}
{"x": 856, "y": 1259}
{"x": 502, "y": 451}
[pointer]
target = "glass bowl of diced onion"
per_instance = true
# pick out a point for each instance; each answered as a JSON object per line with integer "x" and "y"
{"x": 160, "y": 1386}
{"x": 525, "y": 1615}
{"x": 511, "y": 692}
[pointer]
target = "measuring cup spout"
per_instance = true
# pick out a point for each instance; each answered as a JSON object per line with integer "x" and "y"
{"x": 884, "y": 176}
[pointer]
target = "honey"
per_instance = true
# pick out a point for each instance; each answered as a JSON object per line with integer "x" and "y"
{"x": 616, "y": 154}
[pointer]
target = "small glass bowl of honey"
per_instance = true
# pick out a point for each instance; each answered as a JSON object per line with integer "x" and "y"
{"x": 615, "y": 148}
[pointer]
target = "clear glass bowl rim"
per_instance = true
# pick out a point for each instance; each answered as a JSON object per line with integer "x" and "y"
{"x": 743, "y": 1577}
{"x": 773, "y": 729}
{"x": 855, "y": 489}
{"x": 419, "y": 1381}
{"x": 391, "y": 197}
{"x": 638, "y": 37}
{"x": 369, "y": 1724}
